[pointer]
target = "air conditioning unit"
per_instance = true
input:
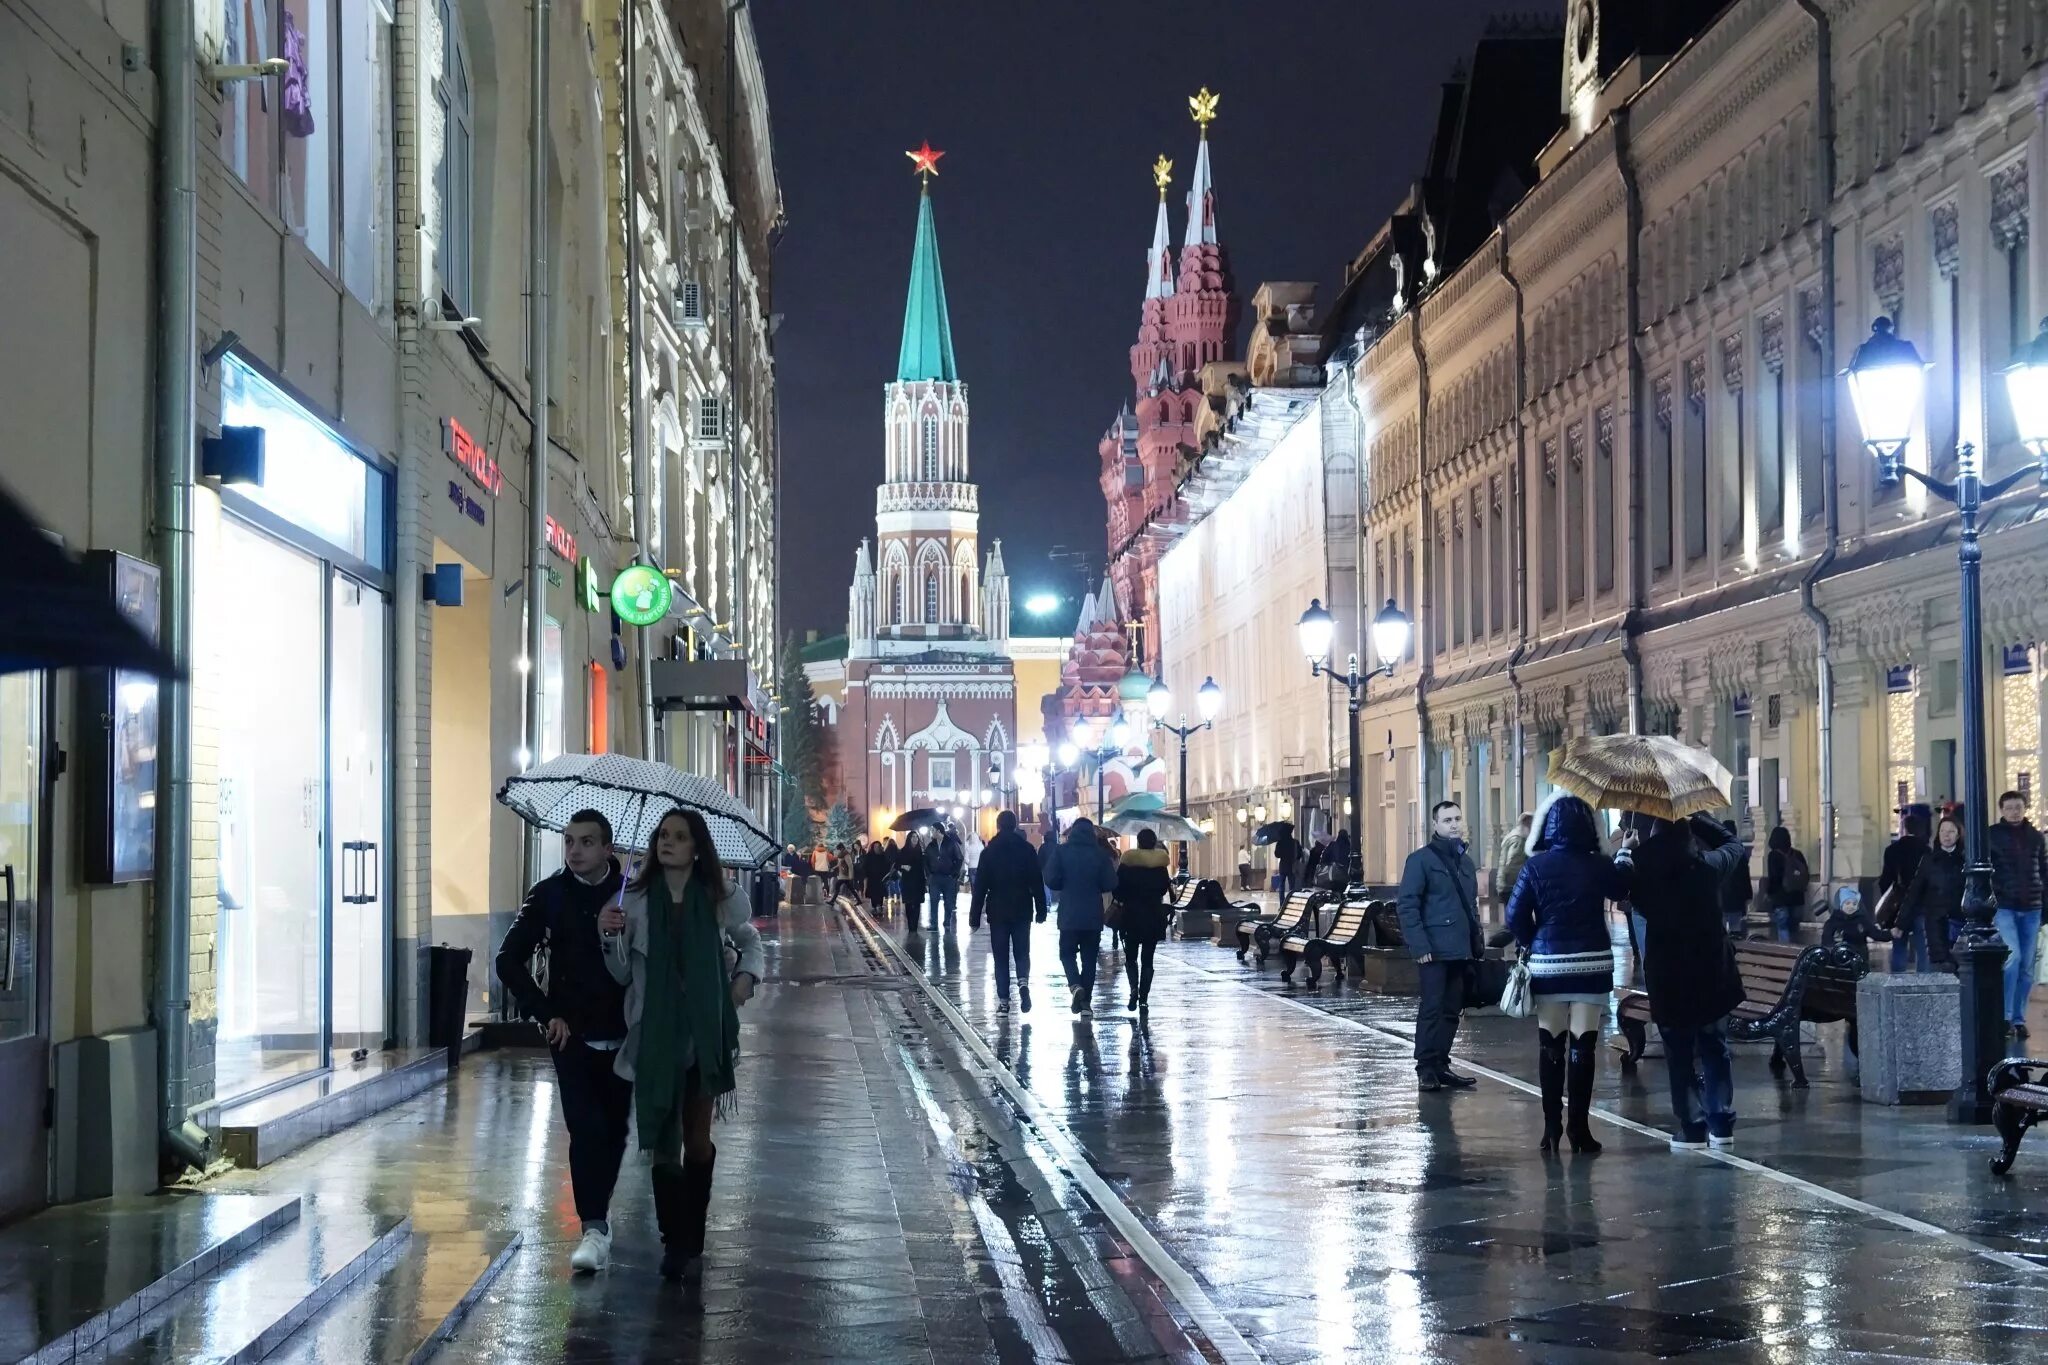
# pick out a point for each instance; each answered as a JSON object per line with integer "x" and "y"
{"x": 708, "y": 430}
{"x": 690, "y": 305}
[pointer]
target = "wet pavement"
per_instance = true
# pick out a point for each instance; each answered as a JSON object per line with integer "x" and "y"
{"x": 1244, "y": 1172}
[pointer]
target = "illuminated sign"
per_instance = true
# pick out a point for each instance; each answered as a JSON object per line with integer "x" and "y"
{"x": 586, "y": 587}
{"x": 474, "y": 459}
{"x": 640, "y": 595}
{"x": 561, "y": 541}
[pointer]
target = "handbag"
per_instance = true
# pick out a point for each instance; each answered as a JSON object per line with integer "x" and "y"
{"x": 1518, "y": 1001}
{"x": 1113, "y": 913}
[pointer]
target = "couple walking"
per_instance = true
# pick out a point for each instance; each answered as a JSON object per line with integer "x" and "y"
{"x": 641, "y": 1017}
{"x": 1010, "y": 886}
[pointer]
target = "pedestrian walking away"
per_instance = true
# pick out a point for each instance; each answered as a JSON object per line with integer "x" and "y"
{"x": 1932, "y": 907}
{"x": 582, "y": 1011}
{"x": 1738, "y": 889}
{"x": 1557, "y": 912}
{"x": 666, "y": 945}
{"x": 1438, "y": 901}
{"x": 2019, "y": 873}
{"x": 1142, "y": 885}
{"x": 1901, "y": 860}
{"x": 874, "y": 876}
{"x": 1514, "y": 851}
{"x": 1675, "y": 871}
{"x": 945, "y": 859}
{"x": 1336, "y": 874}
{"x": 1009, "y": 888}
{"x": 911, "y": 879}
{"x": 1787, "y": 880}
{"x": 1082, "y": 871}
{"x": 1286, "y": 850}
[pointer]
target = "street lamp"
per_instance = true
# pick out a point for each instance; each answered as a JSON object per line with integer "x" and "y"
{"x": 1390, "y": 630}
{"x": 1887, "y": 380}
{"x": 1112, "y": 739}
{"x": 1209, "y": 699}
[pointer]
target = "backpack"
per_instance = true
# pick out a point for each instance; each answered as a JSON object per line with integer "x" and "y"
{"x": 1797, "y": 878}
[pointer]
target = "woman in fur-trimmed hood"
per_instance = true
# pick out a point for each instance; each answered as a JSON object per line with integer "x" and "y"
{"x": 1557, "y": 912}
{"x": 1142, "y": 885}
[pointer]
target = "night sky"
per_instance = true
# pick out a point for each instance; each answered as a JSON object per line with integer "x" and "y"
{"x": 1050, "y": 113}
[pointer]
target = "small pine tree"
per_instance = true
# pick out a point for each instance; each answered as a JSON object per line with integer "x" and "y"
{"x": 802, "y": 756}
{"x": 843, "y": 825}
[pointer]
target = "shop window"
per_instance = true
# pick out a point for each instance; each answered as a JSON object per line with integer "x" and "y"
{"x": 249, "y": 110}
{"x": 309, "y": 477}
{"x": 454, "y": 174}
{"x": 1660, "y": 489}
{"x": 1548, "y": 527}
{"x": 2020, "y": 707}
{"x": 1899, "y": 715}
{"x": 931, "y": 597}
{"x": 553, "y": 694}
{"x": 366, "y": 164}
{"x": 600, "y": 709}
{"x": 1603, "y": 503}
{"x": 1575, "y": 516}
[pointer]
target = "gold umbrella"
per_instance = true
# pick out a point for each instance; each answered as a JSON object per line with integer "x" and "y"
{"x": 1654, "y": 774}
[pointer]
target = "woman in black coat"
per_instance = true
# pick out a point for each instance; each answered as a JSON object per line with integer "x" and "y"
{"x": 1142, "y": 885}
{"x": 1934, "y": 898}
{"x": 872, "y": 872}
{"x": 1676, "y": 871}
{"x": 910, "y": 876}
{"x": 1557, "y": 912}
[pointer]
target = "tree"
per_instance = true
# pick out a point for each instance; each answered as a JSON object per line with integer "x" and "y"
{"x": 843, "y": 825}
{"x": 803, "y": 767}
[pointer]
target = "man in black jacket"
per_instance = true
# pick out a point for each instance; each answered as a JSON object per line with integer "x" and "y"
{"x": 584, "y": 1011}
{"x": 2019, "y": 873}
{"x": 1438, "y": 902}
{"x": 1010, "y": 885}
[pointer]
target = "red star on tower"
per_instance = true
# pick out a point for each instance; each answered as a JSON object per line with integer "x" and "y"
{"x": 925, "y": 160}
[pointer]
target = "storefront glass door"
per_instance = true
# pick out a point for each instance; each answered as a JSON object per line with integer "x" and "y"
{"x": 356, "y": 730}
{"x": 24, "y": 1033}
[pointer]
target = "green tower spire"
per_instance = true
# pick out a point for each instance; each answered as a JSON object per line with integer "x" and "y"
{"x": 927, "y": 335}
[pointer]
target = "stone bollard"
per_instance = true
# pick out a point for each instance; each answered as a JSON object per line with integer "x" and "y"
{"x": 1909, "y": 1035}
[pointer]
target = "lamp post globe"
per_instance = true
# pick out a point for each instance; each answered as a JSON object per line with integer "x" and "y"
{"x": 1120, "y": 730}
{"x": 1159, "y": 700}
{"x": 1070, "y": 753}
{"x": 1317, "y": 629}
{"x": 2026, "y": 385}
{"x": 1886, "y": 380}
{"x": 1390, "y": 632}
{"x": 1209, "y": 699}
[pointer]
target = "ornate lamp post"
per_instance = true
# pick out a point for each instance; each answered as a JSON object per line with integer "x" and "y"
{"x": 1389, "y": 641}
{"x": 1887, "y": 379}
{"x": 1100, "y": 746}
{"x": 1159, "y": 701}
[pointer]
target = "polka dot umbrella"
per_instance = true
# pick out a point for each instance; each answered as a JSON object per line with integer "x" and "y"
{"x": 1653, "y": 774}
{"x": 634, "y": 794}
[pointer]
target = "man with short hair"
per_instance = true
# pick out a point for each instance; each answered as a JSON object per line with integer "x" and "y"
{"x": 584, "y": 1011}
{"x": 1438, "y": 901}
{"x": 945, "y": 858}
{"x": 2019, "y": 873}
{"x": 1010, "y": 886}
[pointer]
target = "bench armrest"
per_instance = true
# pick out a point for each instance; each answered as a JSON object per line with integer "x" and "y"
{"x": 2015, "y": 1071}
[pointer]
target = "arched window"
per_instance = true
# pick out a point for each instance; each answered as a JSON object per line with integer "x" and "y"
{"x": 896, "y": 598}
{"x": 931, "y": 598}
{"x": 928, "y": 453}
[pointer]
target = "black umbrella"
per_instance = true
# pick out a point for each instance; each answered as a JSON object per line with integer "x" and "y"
{"x": 53, "y": 614}
{"x": 923, "y": 817}
{"x": 1271, "y": 831}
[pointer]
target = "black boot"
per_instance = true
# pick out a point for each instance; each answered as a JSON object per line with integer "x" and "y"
{"x": 1550, "y": 1071}
{"x": 668, "y": 1216}
{"x": 1579, "y": 1091}
{"x": 696, "y": 1205}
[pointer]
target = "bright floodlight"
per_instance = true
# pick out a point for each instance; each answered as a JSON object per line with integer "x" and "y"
{"x": 2026, "y": 384}
{"x": 1070, "y": 753}
{"x": 1120, "y": 730}
{"x": 1886, "y": 379}
{"x": 1317, "y": 627}
{"x": 1159, "y": 701}
{"x": 1042, "y": 603}
{"x": 1390, "y": 633}
{"x": 1209, "y": 699}
{"x": 1082, "y": 729}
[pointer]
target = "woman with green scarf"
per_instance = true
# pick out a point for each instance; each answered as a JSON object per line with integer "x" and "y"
{"x": 666, "y": 943}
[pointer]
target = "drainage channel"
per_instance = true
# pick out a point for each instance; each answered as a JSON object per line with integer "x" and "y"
{"x": 1059, "y": 1160}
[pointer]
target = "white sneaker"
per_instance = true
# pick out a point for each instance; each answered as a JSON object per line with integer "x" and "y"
{"x": 1679, "y": 1144}
{"x": 1716, "y": 1140}
{"x": 593, "y": 1253}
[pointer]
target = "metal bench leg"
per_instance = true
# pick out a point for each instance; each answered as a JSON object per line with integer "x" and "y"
{"x": 1638, "y": 1038}
{"x": 1315, "y": 964}
{"x": 1288, "y": 959}
{"x": 1244, "y": 943}
{"x": 1788, "y": 1044}
{"x": 2012, "y": 1123}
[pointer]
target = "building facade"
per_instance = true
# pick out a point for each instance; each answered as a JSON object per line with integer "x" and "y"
{"x": 926, "y": 713}
{"x": 361, "y": 281}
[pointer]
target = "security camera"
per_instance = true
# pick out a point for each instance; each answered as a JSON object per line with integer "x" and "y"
{"x": 247, "y": 71}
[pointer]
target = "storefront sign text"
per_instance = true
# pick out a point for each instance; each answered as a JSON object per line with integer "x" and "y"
{"x": 561, "y": 541}
{"x": 474, "y": 459}
{"x": 640, "y": 595}
{"x": 464, "y": 503}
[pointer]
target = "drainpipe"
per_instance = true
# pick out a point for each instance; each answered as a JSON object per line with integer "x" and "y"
{"x": 1521, "y": 520}
{"x": 1823, "y": 631}
{"x": 184, "y": 1143}
{"x": 1638, "y": 552}
{"x": 636, "y": 374}
{"x": 735, "y": 501}
{"x": 539, "y": 349}
{"x": 1423, "y": 755}
{"x": 1358, "y": 596}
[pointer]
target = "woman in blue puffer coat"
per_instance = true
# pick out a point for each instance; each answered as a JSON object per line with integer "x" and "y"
{"x": 1557, "y": 912}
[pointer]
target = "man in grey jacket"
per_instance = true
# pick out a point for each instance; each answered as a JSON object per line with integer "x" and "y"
{"x": 1439, "y": 905}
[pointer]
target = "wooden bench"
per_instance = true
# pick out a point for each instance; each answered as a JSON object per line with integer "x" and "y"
{"x": 2019, "y": 1097}
{"x": 1785, "y": 984}
{"x": 1347, "y": 934}
{"x": 1295, "y": 911}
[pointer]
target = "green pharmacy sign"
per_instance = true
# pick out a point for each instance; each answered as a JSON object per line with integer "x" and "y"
{"x": 640, "y": 595}
{"x": 586, "y": 585}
